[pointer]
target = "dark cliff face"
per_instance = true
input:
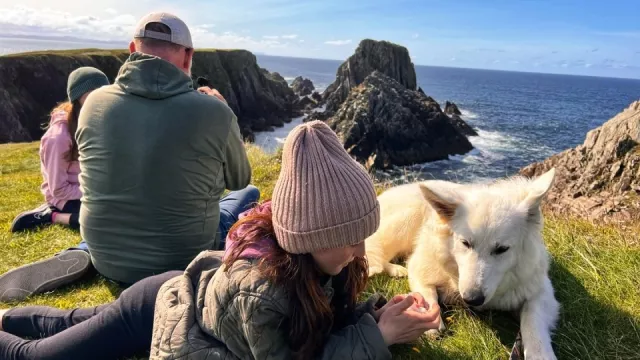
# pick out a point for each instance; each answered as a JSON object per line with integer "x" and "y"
{"x": 389, "y": 59}
{"x": 32, "y": 84}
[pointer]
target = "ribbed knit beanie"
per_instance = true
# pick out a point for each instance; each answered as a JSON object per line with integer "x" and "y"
{"x": 83, "y": 80}
{"x": 323, "y": 198}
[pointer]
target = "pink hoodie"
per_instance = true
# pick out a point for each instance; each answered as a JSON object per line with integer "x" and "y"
{"x": 60, "y": 176}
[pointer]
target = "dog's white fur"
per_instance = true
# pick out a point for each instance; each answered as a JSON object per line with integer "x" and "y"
{"x": 429, "y": 222}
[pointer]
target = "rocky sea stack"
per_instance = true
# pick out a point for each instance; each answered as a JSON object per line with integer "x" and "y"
{"x": 382, "y": 123}
{"x": 599, "y": 179}
{"x": 381, "y": 116}
{"x": 451, "y": 108}
{"x": 302, "y": 86}
{"x": 390, "y": 59}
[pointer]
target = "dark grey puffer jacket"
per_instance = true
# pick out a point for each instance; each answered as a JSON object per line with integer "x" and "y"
{"x": 207, "y": 314}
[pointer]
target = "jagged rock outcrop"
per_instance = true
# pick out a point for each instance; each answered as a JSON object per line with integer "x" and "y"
{"x": 316, "y": 97}
{"x": 462, "y": 126}
{"x": 304, "y": 104}
{"x": 600, "y": 179}
{"x": 32, "y": 83}
{"x": 302, "y": 87}
{"x": 390, "y": 59}
{"x": 382, "y": 123}
{"x": 450, "y": 108}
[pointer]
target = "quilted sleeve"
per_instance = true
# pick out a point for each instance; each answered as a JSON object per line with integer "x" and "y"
{"x": 263, "y": 328}
{"x": 362, "y": 340}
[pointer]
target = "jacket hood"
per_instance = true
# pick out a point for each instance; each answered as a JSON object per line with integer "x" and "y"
{"x": 152, "y": 77}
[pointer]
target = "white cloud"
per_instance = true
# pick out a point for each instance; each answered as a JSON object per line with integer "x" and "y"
{"x": 111, "y": 11}
{"x": 300, "y": 41}
{"x": 452, "y": 59}
{"x": 271, "y": 37}
{"x": 338, "y": 42}
{"x": 119, "y": 27}
{"x": 59, "y": 23}
{"x": 415, "y": 36}
{"x": 588, "y": 65}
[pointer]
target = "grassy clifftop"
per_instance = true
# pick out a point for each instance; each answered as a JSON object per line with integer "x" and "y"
{"x": 595, "y": 273}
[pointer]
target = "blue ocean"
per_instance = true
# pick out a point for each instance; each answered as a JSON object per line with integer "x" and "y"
{"x": 520, "y": 117}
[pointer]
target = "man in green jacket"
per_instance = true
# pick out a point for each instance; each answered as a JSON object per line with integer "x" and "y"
{"x": 155, "y": 158}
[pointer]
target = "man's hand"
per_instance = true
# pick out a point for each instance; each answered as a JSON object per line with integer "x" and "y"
{"x": 212, "y": 92}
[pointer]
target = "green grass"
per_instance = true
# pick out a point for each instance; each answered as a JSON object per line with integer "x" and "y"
{"x": 595, "y": 272}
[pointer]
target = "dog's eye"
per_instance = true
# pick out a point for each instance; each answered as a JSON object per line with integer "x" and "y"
{"x": 466, "y": 244}
{"x": 500, "y": 250}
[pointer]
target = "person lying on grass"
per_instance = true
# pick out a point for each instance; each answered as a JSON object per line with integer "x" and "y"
{"x": 59, "y": 157}
{"x": 286, "y": 286}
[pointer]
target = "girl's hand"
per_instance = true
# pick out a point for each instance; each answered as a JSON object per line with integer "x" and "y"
{"x": 400, "y": 324}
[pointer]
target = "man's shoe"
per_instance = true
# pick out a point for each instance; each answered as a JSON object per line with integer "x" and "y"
{"x": 31, "y": 219}
{"x": 45, "y": 275}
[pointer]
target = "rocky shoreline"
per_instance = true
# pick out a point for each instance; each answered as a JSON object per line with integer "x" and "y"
{"x": 600, "y": 179}
{"x": 32, "y": 83}
{"x": 375, "y": 106}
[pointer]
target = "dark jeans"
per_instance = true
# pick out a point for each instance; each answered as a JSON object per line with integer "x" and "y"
{"x": 120, "y": 329}
{"x": 231, "y": 206}
{"x": 71, "y": 207}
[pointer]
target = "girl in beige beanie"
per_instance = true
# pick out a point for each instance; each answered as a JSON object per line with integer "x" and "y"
{"x": 304, "y": 255}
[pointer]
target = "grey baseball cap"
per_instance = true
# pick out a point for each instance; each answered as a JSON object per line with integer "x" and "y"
{"x": 180, "y": 33}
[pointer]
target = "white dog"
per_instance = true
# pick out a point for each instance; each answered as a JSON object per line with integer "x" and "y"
{"x": 478, "y": 243}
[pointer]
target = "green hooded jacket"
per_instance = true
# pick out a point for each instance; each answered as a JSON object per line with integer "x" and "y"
{"x": 155, "y": 158}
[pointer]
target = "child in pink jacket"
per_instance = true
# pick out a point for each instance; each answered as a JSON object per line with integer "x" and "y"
{"x": 59, "y": 157}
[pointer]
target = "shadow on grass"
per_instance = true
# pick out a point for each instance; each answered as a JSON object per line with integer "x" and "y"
{"x": 588, "y": 328}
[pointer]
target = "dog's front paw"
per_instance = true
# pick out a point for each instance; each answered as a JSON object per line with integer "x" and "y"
{"x": 437, "y": 333}
{"x": 376, "y": 269}
{"x": 539, "y": 355}
{"x": 433, "y": 334}
{"x": 395, "y": 270}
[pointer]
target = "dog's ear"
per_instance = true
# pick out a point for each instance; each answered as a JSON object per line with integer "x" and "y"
{"x": 444, "y": 203}
{"x": 538, "y": 190}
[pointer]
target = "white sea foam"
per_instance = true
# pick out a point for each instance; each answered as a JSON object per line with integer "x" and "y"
{"x": 467, "y": 114}
{"x": 270, "y": 141}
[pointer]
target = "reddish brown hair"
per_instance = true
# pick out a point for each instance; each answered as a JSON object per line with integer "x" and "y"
{"x": 73, "y": 111}
{"x": 312, "y": 316}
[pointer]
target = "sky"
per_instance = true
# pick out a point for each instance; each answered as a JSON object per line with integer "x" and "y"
{"x": 582, "y": 37}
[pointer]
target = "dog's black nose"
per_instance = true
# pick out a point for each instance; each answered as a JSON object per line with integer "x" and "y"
{"x": 475, "y": 299}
